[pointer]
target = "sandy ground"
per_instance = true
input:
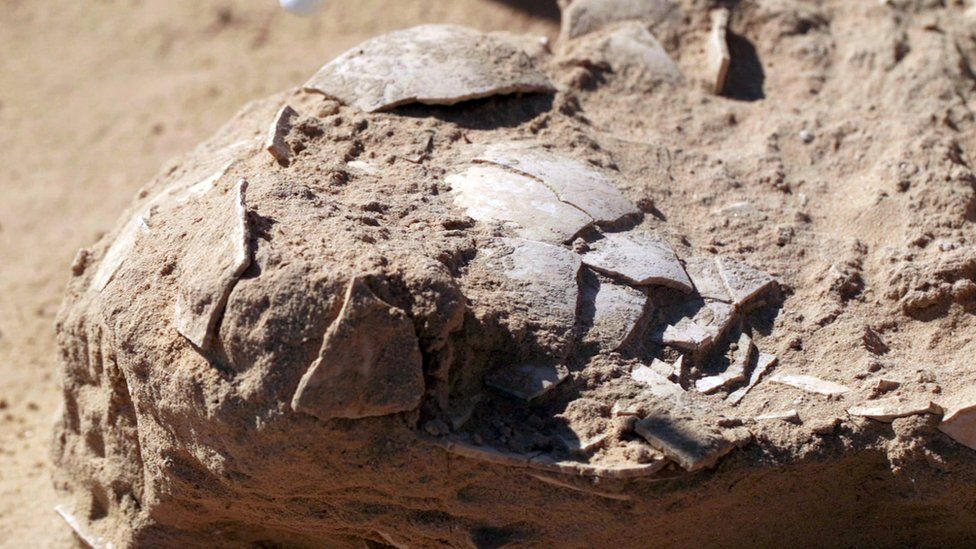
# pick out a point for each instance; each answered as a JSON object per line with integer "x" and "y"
{"x": 94, "y": 98}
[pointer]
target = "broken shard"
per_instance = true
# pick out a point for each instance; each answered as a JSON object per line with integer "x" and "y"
{"x": 891, "y": 408}
{"x": 216, "y": 254}
{"x": 639, "y": 258}
{"x": 275, "y": 142}
{"x": 735, "y": 373}
{"x": 526, "y": 381}
{"x": 574, "y": 182}
{"x": 810, "y": 384}
{"x": 428, "y": 64}
{"x": 369, "y": 363}
{"x": 742, "y": 281}
{"x": 491, "y": 193}
{"x": 615, "y": 309}
{"x": 718, "y": 50}
{"x": 656, "y": 384}
{"x": 704, "y": 275}
{"x": 959, "y": 421}
{"x": 585, "y": 16}
{"x": 546, "y": 276}
{"x": 684, "y": 436}
{"x": 693, "y": 325}
{"x": 763, "y": 364}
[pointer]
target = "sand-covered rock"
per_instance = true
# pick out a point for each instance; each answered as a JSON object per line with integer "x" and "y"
{"x": 438, "y": 292}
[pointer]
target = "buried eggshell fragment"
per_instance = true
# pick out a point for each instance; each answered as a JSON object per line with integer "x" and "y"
{"x": 694, "y": 325}
{"x": 735, "y": 373}
{"x": 585, "y": 16}
{"x": 892, "y": 408}
{"x": 491, "y": 193}
{"x": 369, "y": 364}
{"x": 656, "y": 384}
{"x": 638, "y": 258}
{"x": 685, "y": 436}
{"x": 526, "y": 381}
{"x": 627, "y": 49}
{"x": 810, "y": 384}
{"x": 763, "y": 364}
{"x": 275, "y": 142}
{"x": 217, "y": 253}
{"x": 428, "y": 64}
{"x": 547, "y": 278}
{"x": 719, "y": 57}
{"x": 742, "y": 281}
{"x": 704, "y": 275}
{"x": 959, "y": 421}
{"x": 616, "y": 311}
{"x": 574, "y": 182}
{"x": 789, "y": 416}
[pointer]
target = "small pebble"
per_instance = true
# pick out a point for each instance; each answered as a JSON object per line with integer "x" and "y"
{"x": 806, "y": 136}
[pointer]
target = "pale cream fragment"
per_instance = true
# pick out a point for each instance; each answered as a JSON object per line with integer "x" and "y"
{"x": 959, "y": 421}
{"x": 789, "y": 416}
{"x": 719, "y": 58}
{"x": 574, "y": 182}
{"x": 275, "y": 142}
{"x": 639, "y": 258}
{"x": 810, "y": 384}
{"x": 217, "y": 253}
{"x": 763, "y": 364}
{"x": 891, "y": 408}
{"x": 494, "y": 194}
{"x": 742, "y": 281}
{"x": 616, "y": 309}
{"x": 428, "y": 64}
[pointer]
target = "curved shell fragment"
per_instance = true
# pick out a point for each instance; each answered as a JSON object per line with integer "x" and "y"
{"x": 572, "y": 181}
{"x": 491, "y": 193}
{"x": 585, "y": 16}
{"x": 428, "y": 64}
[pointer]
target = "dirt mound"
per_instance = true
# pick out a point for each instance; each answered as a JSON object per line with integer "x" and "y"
{"x": 349, "y": 316}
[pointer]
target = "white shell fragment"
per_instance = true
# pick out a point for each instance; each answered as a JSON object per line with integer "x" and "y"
{"x": 547, "y": 279}
{"x": 217, "y": 253}
{"x": 275, "y": 143}
{"x": 892, "y": 408}
{"x": 789, "y": 416}
{"x": 685, "y": 436}
{"x": 491, "y": 193}
{"x": 369, "y": 364}
{"x": 763, "y": 364}
{"x": 735, "y": 373}
{"x": 959, "y": 421}
{"x": 80, "y": 530}
{"x": 428, "y": 64}
{"x": 526, "y": 381}
{"x": 574, "y": 182}
{"x": 639, "y": 258}
{"x": 703, "y": 272}
{"x": 694, "y": 325}
{"x": 810, "y": 384}
{"x": 742, "y": 281}
{"x": 616, "y": 309}
{"x": 719, "y": 58}
{"x": 657, "y": 385}
{"x": 585, "y": 16}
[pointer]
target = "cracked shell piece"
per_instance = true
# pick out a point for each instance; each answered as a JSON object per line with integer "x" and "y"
{"x": 640, "y": 259}
{"x": 527, "y": 381}
{"x": 428, "y": 64}
{"x": 369, "y": 364}
{"x": 616, "y": 309}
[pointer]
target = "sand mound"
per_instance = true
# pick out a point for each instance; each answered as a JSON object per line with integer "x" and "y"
{"x": 536, "y": 298}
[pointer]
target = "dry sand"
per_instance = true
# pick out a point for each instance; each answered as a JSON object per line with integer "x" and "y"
{"x": 94, "y": 98}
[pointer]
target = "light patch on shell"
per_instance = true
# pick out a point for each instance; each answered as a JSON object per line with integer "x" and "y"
{"x": 573, "y": 182}
{"x": 428, "y": 64}
{"x": 216, "y": 255}
{"x": 810, "y": 384}
{"x": 892, "y": 408}
{"x": 492, "y": 193}
{"x": 639, "y": 258}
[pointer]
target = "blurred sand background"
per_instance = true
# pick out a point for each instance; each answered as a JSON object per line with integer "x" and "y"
{"x": 95, "y": 96}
